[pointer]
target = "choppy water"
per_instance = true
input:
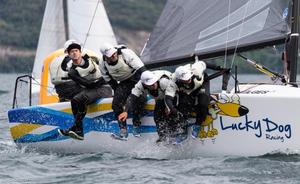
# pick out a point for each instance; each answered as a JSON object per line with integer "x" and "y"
{"x": 29, "y": 166}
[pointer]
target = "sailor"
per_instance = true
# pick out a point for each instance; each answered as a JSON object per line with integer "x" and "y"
{"x": 85, "y": 72}
{"x": 153, "y": 83}
{"x": 193, "y": 93}
{"x": 64, "y": 86}
{"x": 122, "y": 69}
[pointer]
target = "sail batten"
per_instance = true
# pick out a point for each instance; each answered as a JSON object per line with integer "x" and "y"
{"x": 208, "y": 28}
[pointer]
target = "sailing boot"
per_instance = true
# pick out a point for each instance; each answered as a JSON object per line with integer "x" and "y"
{"x": 76, "y": 131}
{"x": 180, "y": 138}
{"x": 136, "y": 130}
{"x": 63, "y": 132}
{"x": 195, "y": 131}
{"x": 123, "y": 133}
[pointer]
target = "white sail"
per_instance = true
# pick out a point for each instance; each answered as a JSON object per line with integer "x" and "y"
{"x": 52, "y": 37}
{"x": 87, "y": 22}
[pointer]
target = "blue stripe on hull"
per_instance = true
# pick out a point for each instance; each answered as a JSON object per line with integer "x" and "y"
{"x": 45, "y": 116}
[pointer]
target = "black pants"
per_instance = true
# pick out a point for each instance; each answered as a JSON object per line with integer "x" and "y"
{"x": 160, "y": 118}
{"x": 66, "y": 91}
{"x": 167, "y": 125}
{"x": 87, "y": 96}
{"x": 195, "y": 102}
{"x": 121, "y": 94}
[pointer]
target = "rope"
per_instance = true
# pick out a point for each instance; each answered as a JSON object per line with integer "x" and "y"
{"x": 91, "y": 23}
{"x": 225, "y": 59}
{"x": 48, "y": 88}
{"x": 240, "y": 31}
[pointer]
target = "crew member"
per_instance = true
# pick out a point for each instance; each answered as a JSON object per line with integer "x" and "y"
{"x": 86, "y": 73}
{"x": 122, "y": 68}
{"x": 153, "y": 83}
{"x": 193, "y": 91}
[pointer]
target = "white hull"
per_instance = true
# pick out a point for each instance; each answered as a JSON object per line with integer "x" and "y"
{"x": 271, "y": 124}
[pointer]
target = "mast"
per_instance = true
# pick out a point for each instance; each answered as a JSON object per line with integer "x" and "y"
{"x": 294, "y": 41}
{"x": 66, "y": 19}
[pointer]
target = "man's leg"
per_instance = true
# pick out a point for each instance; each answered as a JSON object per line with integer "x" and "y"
{"x": 137, "y": 112}
{"x": 160, "y": 120}
{"x": 120, "y": 96}
{"x": 79, "y": 106}
{"x": 201, "y": 109}
{"x": 185, "y": 106}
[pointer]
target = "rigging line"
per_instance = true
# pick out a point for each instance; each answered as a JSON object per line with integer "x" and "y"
{"x": 49, "y": 89}
{"x": 91, "y": 22}
{"x": 225, "y": 59}
{"x": 39, "y": 84}
{"x": 240, "y": 31}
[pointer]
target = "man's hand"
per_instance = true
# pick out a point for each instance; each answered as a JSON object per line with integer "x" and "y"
{"x": 123, "y": 116}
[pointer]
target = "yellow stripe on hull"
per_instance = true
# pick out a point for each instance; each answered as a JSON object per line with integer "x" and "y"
{"x": 22, "y": 129}
{"x": 103, "y": 107}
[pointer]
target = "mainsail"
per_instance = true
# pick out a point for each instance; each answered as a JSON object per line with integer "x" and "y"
{"x": 86, "y": 22}
{"x": 209, "y": 28}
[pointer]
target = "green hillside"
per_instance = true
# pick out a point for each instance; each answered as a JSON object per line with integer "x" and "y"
{"x": 134, "y": 14}
{"x": 20, "y": 23}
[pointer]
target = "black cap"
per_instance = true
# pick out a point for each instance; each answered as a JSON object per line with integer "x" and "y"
{"x": 73, "y": 46}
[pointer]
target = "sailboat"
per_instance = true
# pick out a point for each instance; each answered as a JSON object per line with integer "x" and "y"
{"x": 249, "y": 120}
{"x": 84, "y": 21}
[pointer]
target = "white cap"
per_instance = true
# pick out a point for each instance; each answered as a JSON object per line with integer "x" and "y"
{"x": 72, "y": 43}
{"x": 198, "y": 68}
{"x": 149, "y": 78}
{"x": 183, "y": 73}
{"x": 107, "y": 50}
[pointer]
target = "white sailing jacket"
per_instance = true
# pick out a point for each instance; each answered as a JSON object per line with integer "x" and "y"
{"x": 58, "y": 73}
{"x": 197, "y": 80}
{"x": 128, "y": 63}
{"x": 89, "y": 70}
{"x": 163, "y": 82}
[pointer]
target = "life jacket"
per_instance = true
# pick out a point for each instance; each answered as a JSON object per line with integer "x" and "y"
{"x": 121, "y": 70}
{"x": 197, "y": 79}
{"x": 90, "y": 69}
{"x": 191, "y": 87}
{"x": 59, "y": 69}
{"x": 159, "y": 93}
